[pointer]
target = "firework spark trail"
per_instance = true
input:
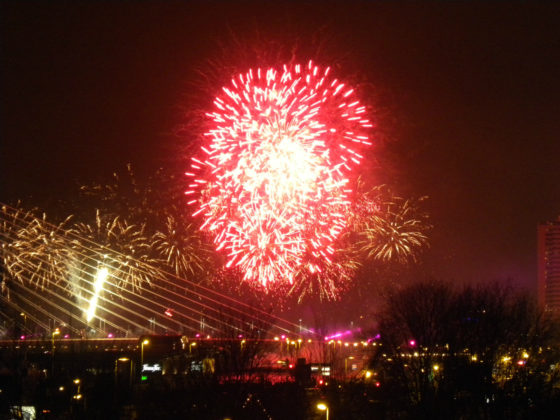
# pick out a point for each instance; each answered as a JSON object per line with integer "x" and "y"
{"x": 273, "y": 182}
{"x": 83, "y": 249}
{"x": 100, "y": 279}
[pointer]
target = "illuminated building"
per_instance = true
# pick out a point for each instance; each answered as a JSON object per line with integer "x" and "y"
{"x": 549, "y": 266}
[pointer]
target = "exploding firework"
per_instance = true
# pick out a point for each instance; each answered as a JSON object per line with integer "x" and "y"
{"x": 389, "y": 228}
{"x": 34, "y": 251}
{"x": 334, "y": 277}
{"x": 273, "y": 180}
{"x": 13, "y": 220}
{"x": 121, "y": 247}
{"x": 181, "y": 248}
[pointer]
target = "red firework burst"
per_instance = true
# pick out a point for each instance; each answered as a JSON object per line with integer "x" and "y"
{"x": 272, "y": 183}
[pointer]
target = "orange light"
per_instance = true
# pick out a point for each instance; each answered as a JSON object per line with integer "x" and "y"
{"x": 322, "y": 407}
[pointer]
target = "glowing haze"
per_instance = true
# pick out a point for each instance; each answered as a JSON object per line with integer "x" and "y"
{"x": 272, "y": 181}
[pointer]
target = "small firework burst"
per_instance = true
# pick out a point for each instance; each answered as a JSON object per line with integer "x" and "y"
{"x": 120, "y": 246}
{"x": 390, "y": 228}
{"x": 333, "y": 278}
{"x": 34, "y": 251}
{"x": 181, "y": 247}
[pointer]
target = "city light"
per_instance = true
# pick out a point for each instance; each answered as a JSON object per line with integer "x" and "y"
{"x": 145, "y": 342}
{"x": 54, "y": 334}
{"x": 325, "y": 408}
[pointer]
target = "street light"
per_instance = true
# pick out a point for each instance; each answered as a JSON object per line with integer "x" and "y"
{"x": 24, "y": 320}
{"x": 55, "y": 332}
{"x": 325, "y": 408}
{"x": 144, "y": 343}
{"x": 123, "y": 360}
{"x": 77, "y": 382}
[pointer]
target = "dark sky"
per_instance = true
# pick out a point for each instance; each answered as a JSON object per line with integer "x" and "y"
{"x": 470, "y": 94}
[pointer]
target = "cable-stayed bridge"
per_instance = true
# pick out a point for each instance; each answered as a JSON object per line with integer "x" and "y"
{"x": 91, "y": 305}
{"x": 53, "y": 277}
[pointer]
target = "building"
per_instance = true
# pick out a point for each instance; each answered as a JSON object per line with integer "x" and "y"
{"x": 548, "y": 249}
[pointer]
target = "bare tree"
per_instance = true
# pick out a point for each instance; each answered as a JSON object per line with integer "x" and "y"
{"x": 472, "y": 352}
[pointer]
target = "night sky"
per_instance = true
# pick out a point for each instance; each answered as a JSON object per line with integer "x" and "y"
{"x": 468, "y": 96}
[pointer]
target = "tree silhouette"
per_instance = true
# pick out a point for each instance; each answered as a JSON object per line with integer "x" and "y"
{"x": 479, "y": 352}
